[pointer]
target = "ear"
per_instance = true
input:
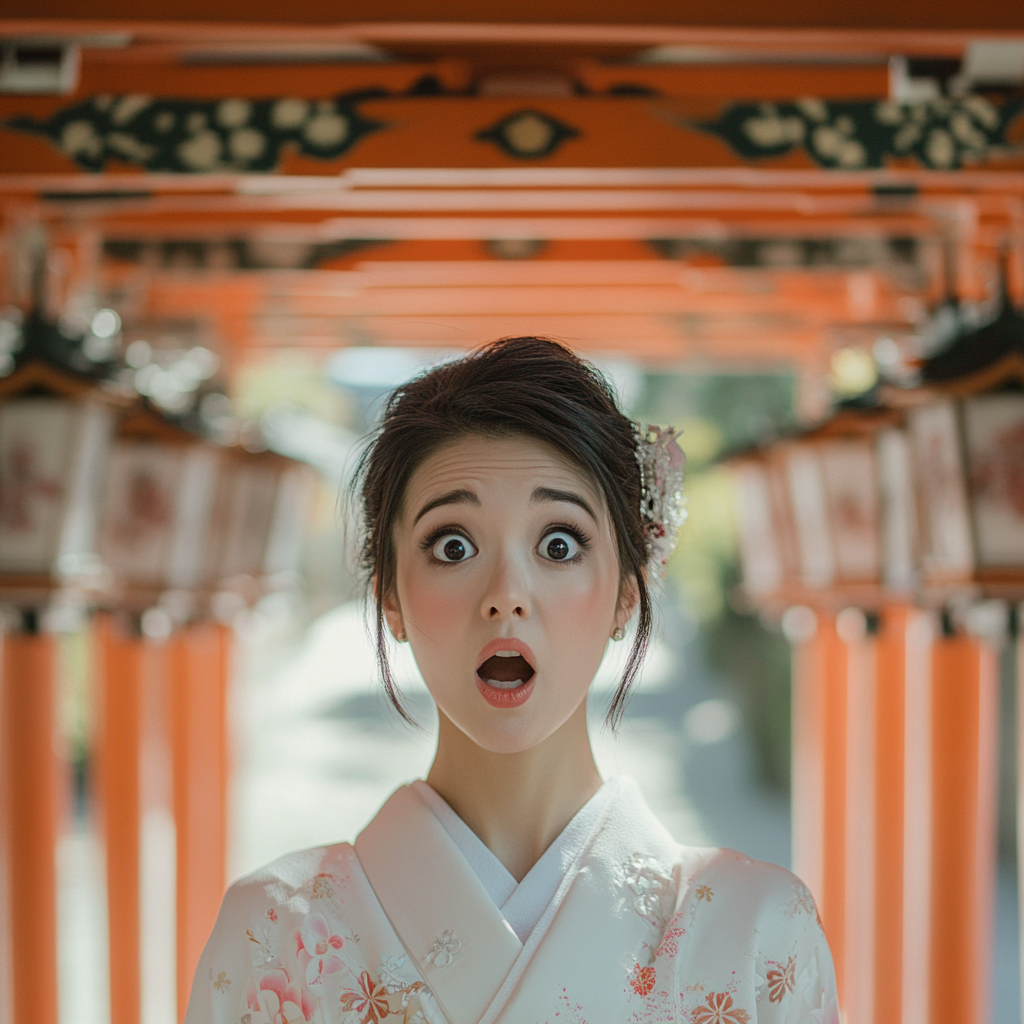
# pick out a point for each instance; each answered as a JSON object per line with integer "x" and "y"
{"x": 629, "y": 598}
{"x": 392, "y": 613}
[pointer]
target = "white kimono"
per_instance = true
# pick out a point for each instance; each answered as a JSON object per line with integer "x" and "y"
{"x": 616, "y": 923}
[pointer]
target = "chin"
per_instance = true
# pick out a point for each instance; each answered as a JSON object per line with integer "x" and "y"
{"x": 509, "y": 732}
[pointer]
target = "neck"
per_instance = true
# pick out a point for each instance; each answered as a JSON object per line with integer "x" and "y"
{"x": 517, "y": 803}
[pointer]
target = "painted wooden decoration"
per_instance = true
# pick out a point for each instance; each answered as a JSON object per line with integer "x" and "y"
{"x": 942, "y": 134}
{"x": 194, "y": 136}
{"x": 528, "y": 134}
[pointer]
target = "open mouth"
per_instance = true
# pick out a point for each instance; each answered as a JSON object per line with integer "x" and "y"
{"x": 505, "y": 670}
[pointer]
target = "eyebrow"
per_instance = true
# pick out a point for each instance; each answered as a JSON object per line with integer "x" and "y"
{"x": 552, "y": 494}
{"x": 460, "y": 497}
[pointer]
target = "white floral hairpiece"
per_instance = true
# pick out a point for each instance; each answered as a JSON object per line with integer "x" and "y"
{"x": 662, "y": 502}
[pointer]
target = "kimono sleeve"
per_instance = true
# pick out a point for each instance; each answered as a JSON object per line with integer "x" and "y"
{"x": 755, "y": 952}
{"x": 223, "y": 989}
{"x": 795, "y": 978}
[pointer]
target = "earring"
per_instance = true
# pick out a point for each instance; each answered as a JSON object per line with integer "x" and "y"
{"x": 618, "y": 633}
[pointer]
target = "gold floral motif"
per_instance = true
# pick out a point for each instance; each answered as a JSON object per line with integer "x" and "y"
{"x": 322, "y": 887}
{"x": 221, "y": 982}
{"x": 705, "y": 892}
{"x": 718, "y": 1009}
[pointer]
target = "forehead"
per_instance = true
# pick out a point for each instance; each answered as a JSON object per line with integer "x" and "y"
{"x": 477, "y": 463}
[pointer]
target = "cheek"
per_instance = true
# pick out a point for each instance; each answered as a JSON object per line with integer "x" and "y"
{"x": 589, "y": 596}
{"x": 433, "y": 601}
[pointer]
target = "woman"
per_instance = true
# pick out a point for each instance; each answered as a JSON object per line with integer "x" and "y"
{"x": 512, "y": 515}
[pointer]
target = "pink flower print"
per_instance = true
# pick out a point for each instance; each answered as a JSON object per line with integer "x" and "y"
{"x": 781, "y": 979}
{"x": 282, "y": 1001}
{"x": 719, "y": 1010}
{"x": 669, "y": 945}
{"x": 319, "y": 944}
{"x": 642, "y": 979}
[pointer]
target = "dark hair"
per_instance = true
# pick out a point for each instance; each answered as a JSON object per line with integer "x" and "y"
{"x": 531, "y": 387}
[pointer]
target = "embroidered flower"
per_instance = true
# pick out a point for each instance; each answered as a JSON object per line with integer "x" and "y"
{"x": 370, "y": 1001}
{"x": 669, "y": 945}
{"x": 719, "y": 1010}
{"x": 705, "y": 892}
{"x": 444, "y": 950}
{"x": 641, "y": 979}
{"x": 393, "y": 973}
{"x": 429, "y": 1012}
{"x": 319, "y": 943}
{"x": 272, "y": 914}
{"x": 261, "y": 950}
{"x": 807, "y": 982}
{"x": 281, "y": 1000}
{"x": 802, "y": 900}
{"x": 781, "y": 979}
{"x": 652, "y": 886}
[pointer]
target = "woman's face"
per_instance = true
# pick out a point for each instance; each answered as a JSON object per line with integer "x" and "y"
{"x": 507, "y": 587}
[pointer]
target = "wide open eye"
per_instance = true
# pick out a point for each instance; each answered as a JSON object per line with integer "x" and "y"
{"x": 559, "y": 546}
{"x": 453, "y": 547}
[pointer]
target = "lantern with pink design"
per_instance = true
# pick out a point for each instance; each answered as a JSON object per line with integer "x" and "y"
{"x": 55, "y": 434}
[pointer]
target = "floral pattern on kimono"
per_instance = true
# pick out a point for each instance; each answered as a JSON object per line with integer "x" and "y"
{"x": 641, "y": 930}
{"x": 791, "y": 981}
{"x": 295, "y": 960}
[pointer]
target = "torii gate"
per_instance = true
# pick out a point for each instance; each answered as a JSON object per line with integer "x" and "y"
{"x": 621, "y": 178}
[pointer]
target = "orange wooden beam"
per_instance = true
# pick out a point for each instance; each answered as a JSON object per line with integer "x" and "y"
{"x": 32, "y": 774}
{"x": 611, "y": 22}
{"x": 964, "y": 774}
{"x": 198, "y": 678}
{"x": 891, "y": 666}
{"x": 122, "y": 666}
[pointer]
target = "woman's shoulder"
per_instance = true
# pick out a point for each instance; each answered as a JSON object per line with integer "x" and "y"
{"x": 295, "y": 879}
{"x": 743, "y": 875}
{"x": 718, "y": 875}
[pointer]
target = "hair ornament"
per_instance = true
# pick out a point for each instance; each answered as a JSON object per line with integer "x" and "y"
{"x": 662, "y": 501}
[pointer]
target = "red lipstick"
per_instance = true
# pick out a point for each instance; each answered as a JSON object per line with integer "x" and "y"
{"x": 505, "y": 673}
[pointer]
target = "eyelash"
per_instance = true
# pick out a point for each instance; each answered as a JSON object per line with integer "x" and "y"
{"x": 574, "y": 531}
{"x": 435, "y": 535}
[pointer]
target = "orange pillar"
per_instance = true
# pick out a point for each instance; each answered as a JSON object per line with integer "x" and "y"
{"x": 820, "y": 671}
{"x": 832, "y": 903}
{"x": 122, "y": 665}
{"x": 889, "y": 718}
{"x": 964, "y": 724}
{"x": 859, "y": 865}
{"x": 198, "y": 692}
{"x": 808, "y": 750}
{"x": 32, "y": 775}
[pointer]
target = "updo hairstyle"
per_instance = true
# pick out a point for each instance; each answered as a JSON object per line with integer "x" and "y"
{"x": 527, "y": 387}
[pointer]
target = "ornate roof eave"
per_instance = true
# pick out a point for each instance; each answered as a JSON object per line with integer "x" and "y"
{"x": 41, "y": 377}
{"x": 1006, "y": 372}
{"x": 846, "y": 421}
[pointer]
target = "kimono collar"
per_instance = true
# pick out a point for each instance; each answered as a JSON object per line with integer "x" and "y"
{"x": 437, "y": 904}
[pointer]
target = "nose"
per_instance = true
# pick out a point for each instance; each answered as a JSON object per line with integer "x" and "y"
{"x": 507, "y": 594}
